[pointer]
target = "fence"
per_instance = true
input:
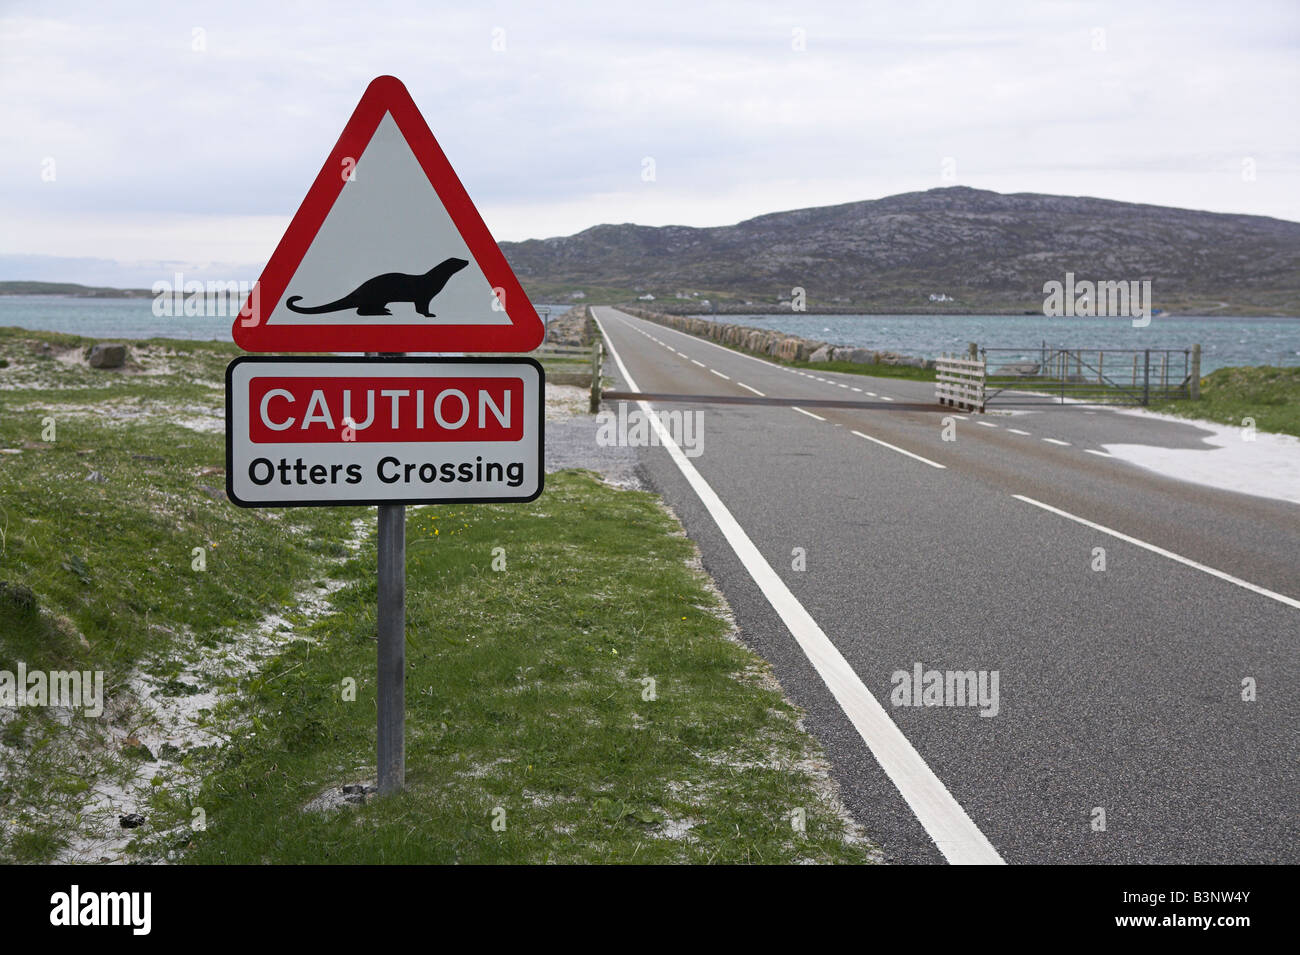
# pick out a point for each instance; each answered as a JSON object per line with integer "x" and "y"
{"x": 959, "y": 382}
{"x": 1090, "y": 375}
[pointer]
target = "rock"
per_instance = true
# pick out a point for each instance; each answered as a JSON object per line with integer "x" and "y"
{"x": 821, "y": 354}
{"x": 97, "y": 477}
{"x": 132, "y": 820}
{"x": 17, "y": 596}
{"x": 213, "y": 492}
{"x": 352, "y": 789}
{"x": 107, "y": 355}
{"x": 1022, "y": 368}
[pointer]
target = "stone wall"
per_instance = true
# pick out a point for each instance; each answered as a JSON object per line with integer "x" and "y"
{"x": 766, "y": 341}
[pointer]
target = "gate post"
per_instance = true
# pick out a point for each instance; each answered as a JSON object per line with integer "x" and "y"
{"x": 1194, "y": 382}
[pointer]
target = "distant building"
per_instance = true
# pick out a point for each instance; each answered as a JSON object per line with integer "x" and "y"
{"x": 577, "y": 295}
{"x": 647, "y": 297}
{"x": 940, "y": 297}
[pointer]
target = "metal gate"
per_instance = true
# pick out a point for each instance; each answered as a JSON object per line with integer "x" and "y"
{"x": 1089, "y": 375}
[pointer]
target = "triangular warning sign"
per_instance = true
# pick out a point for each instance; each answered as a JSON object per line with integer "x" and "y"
{"x": 387, "y": 252}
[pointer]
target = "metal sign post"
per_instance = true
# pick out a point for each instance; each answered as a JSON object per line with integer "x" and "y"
{"x": 392, "y": 648}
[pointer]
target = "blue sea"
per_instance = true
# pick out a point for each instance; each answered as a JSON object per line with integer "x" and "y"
{"x": 122, "y": 318}
{"x": 1225, "y": 340}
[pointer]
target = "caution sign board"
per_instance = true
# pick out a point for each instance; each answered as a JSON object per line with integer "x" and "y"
{"x": 319, "y": 431}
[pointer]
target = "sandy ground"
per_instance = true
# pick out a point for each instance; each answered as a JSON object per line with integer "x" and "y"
{"x": 1258, "y": 463}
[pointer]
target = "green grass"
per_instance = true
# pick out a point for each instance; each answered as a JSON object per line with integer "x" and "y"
{"x": 104, "y": 495}
{"x": 526, "y": 696}
{"x": 525, "y": 687}
{"x": 1268, "y": 395}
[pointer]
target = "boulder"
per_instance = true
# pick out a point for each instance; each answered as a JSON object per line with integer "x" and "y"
{"x": 821, "y": 354}
{"x": 107, "y": 355}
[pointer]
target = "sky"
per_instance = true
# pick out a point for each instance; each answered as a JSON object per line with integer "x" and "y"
{"x": 140, "y": 139}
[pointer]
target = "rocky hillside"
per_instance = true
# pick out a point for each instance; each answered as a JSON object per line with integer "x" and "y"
{"x": 981, "y": 249}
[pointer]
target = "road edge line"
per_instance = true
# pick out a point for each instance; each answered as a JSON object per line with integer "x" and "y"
{"x": 943, "y": 818}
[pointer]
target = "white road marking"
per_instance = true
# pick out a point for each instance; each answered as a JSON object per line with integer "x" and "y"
{"x": 1100, "y": 454}
{"x": 872, "y": 394}
{"x": 946, "y": 822}
{"x": 719, "y": 374}
{"x": 754, "y": 390}
{"x": 894, "y": 447}
{"x": 1017, "y": 431}
{"x": 858, "y": 390}
{"x": 1064, "y": 444}
{"x": 986, "y": 424}
{"x": 700, "y": 363}
{"x": 682, "y": 353}
{"x": 810, "y": 414}
{"x": 1254, "y": 588}
{"x": 886, "y": 398}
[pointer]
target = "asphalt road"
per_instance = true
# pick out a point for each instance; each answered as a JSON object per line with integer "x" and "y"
{"x": 1119, "y": 689}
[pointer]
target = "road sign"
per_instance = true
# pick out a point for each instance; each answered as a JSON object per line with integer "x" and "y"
{"x": 315, "y": 431}
{"x": 387, "y": 252}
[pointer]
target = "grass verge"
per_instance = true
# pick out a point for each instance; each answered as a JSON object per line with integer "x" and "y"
{"x": 581, "y": 703}
{"x": 1268, "y": 395}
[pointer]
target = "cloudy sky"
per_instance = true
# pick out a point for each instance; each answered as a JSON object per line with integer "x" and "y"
{"x": 141, "y": 138}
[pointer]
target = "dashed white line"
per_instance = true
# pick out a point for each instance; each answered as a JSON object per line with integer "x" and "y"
{"x": 754, "y": 390}
{"x": 1100, "y": 454}
{"x": 1064, "y": 444}
{"x": 894, "y": 447}
{"x": 719, "y": 374}
{"x": 986, "y": 424}
{"x": 942, "y": 817}
{"x": 810, "y": 414}
{"x": 682, "y": 354}
{"x": 1254, "y": 588}
{"x": 1017, "y": 431}
{"x": 700, "y": 363}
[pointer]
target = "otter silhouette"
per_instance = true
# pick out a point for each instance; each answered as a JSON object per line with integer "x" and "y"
{"x": 373, "y": 296}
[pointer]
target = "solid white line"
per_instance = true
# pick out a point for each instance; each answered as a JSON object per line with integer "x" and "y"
{"x": 1017, "y": 431}
{"x": 1064, "y": 444}
{"x": 720, "y": 374}
{"x": 946, "y": 822}
{"x": 700, "y": 363}
{"x": 1272, "y": 595}
{"x": 894, "y": 447}
{"x": 810, "y": 414}
{"x": 1100, "y": 454}
{"x": 754, "y": 390}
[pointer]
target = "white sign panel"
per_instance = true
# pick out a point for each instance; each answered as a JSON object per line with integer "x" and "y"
{"x": 318, "y": 431}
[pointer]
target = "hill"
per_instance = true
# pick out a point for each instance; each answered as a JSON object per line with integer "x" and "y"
{"x": 984, "y": 250}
